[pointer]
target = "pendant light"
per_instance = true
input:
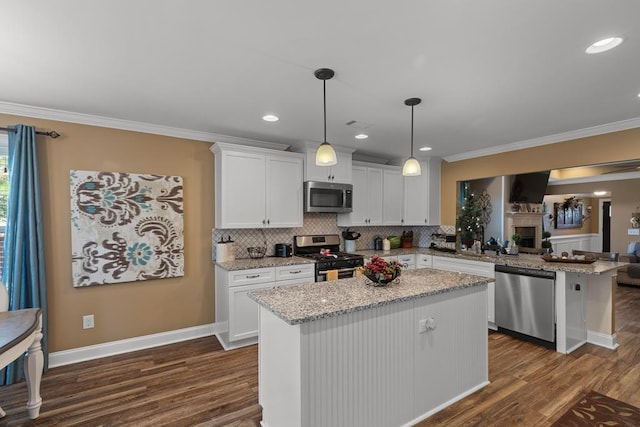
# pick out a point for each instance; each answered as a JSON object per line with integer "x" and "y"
{"x": 411, "y": 166}
{"x": 326, "y": 155}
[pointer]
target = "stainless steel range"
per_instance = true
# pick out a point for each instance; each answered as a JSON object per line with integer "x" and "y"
{"x": 325, "y": 250}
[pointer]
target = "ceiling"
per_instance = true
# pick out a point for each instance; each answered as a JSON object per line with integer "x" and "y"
{"x": 489, "y": 73}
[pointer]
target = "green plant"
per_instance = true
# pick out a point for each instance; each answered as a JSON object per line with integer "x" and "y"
{"x": 517, "y": 238}
{"x": 546, "y": 243}
{"x": 571, "y": 202}
{"x": 469, "y": 220}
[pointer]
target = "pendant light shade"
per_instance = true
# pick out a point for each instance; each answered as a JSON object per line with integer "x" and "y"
{"x": 411, "y": 167}
{"x": 326, "y": 155}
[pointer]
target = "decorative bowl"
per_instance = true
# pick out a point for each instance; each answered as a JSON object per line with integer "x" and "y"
{"x": 377, "y": 279}
{"x": 380, "y": 272}
{"x": 256, "y": 251}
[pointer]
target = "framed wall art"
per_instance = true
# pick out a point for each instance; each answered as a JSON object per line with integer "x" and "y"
{"x": 125, "y": 227}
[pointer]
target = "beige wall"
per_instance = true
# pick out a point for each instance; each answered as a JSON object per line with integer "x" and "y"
{"x": 610, "y": 147}
{"x": 132, "y": 309}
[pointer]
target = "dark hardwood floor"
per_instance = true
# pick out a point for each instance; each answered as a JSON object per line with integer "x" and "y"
{"x": 196, "y": 383}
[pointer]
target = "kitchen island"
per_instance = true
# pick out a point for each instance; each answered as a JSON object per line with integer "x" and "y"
{"x": 344, "y": 353}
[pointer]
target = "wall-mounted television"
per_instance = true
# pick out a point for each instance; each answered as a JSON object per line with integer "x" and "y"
{"x": 529, "y": 187}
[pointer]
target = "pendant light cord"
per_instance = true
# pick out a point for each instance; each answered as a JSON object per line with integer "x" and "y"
{"x": 324, "y": 93}
{"x": 412, "y": 131}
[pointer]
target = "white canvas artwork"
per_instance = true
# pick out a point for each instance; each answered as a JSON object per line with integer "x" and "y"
{"x": 125, "y": 227}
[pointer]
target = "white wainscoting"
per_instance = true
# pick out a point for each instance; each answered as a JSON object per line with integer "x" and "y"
{"x": 583, "y": 242}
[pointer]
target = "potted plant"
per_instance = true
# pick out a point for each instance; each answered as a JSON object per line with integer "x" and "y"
{"x": 516, "y": 239}
{"x": 546, "y": 243}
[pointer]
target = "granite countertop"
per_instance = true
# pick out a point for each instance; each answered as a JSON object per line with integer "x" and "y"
{"x": 305, "y": 303}
{"x": 266, "y": 262}
{"x": 536, "y": 262}
{"x": 520, "y": 260}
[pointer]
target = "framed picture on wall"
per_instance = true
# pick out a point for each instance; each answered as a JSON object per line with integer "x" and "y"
{"x": 567, "y": 217}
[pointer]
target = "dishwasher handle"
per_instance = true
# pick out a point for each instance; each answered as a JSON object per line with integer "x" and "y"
{"x": 523, "y": 271}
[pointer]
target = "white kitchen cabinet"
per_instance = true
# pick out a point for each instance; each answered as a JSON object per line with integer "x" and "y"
{"x": 340, "y": 173}
{"x": 243, "y": 311}
{"x": 479, "y": 268}
{"x": 491, "y": 305}
{"x": 368, "y": 200}
{"x": 236, "y": 313}
{"x": 295, "y": 274}
{"x": 422, "y": 195}
{"x": 393, "y": 194}
{"x": 408, "y": 261}
{"x": 424, "y": 261}
{"x": 257, "y": 187}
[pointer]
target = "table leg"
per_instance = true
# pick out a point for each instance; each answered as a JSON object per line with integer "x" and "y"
{"x": 33, "y": 365}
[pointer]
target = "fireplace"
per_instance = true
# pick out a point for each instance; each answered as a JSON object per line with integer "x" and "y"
{"x": 528, "y": 236}
{"x": 526, "y": 224}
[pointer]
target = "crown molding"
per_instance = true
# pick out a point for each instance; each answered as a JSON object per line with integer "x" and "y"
{"x": 106, "y": 122}
{"x": 546, "y": 140}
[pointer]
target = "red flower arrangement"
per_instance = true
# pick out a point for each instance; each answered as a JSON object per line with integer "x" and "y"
{"x": 380, "y": 271}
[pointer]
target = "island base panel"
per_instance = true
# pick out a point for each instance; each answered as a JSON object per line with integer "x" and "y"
{"x": 374, "y": 367}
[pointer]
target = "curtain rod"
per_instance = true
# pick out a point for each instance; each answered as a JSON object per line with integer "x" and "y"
{"x": 53, "y": 134}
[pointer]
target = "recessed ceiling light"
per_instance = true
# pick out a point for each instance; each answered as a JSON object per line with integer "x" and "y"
{"x": 270, "y": 118}
{"x": 424, "y": 148}
{"x": 604, "y": 45}
{"x": 599, "y": 193}
{"x": 361, "y": 136}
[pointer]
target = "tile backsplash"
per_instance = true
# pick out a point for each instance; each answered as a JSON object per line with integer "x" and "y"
{"x": 322, "y": 223}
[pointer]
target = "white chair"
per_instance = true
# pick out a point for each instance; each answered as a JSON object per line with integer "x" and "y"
{"x": 20, "y": 332}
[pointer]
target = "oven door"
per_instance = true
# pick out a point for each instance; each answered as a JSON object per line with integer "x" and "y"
{"x": 343, "y": 273}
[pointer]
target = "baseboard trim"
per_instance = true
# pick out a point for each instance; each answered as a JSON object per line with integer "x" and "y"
{"x": 447, "y": 403}
{"x": 82, "y": 354}
{"x": 602, "y": 340}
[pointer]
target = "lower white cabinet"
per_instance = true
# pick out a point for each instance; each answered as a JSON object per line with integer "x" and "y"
{"x": 408, "y": 261}
{"x": 479, "y": 268}
{"x": 491, "y": 305}
{"x": 243, "y": 312}
{"x": 236, "y": 313}
{"x": 424, "y": 261}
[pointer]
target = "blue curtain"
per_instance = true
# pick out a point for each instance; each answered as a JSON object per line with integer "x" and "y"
{"x": 23, "y": 268}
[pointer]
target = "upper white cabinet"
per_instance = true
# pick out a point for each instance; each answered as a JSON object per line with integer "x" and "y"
{"x": 340, "y": 172}
{"x": 257, "y": 187}
{"x": 422, "y": 195}
{"x": 382, "y": 196}
{"x": 367, "y": 198}
{"x": 393, "y": 195}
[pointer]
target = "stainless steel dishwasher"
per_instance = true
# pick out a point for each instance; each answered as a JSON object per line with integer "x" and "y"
{"x": 525, "y": 304}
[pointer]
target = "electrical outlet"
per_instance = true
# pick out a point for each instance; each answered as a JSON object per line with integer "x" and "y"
{"x": 87, "y": 321}
{"x": 422, "y": 326}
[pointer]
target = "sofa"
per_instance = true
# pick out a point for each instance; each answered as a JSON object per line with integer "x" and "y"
{"x": 630, "y": 274}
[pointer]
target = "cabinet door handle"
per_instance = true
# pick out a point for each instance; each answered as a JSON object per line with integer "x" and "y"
{"x": 264, "y": 222}
{"x": 268, "y": 221}
{"x": 253, "y": 276}
{"x": 295, "y": 272}
{"x": 402, "y": 221}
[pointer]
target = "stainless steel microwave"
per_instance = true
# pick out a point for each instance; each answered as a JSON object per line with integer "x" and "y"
{"x": 328, "y": 197}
